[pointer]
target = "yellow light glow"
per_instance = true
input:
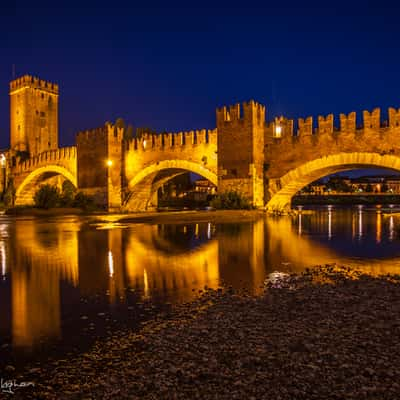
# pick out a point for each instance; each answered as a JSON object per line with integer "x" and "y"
{"x": 109, "y": 163}
{"x": 278, "y": 131}
{"x": 110, "y": 263}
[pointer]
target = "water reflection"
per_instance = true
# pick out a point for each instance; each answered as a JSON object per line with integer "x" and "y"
{"x": 360, "y": 223}
{"x": 171, "y": 262}
{"x": 329, "y": 222}
{"x": 378, "y": 226}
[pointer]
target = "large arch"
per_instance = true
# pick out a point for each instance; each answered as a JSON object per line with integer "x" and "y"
{"x": 282, "y": 190}
{"x": 35, "y": 174}
{"x": 143, "y": 185}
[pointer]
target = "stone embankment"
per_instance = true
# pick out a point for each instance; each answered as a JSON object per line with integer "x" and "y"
{"x": 326, "y": 334}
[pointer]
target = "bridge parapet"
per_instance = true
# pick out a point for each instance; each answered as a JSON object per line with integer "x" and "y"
{"x": 288, "y": 151}
{"x": 48, "y": 157}
{"x": 347, "y": 124}
{"x": 394, "y": 117}
{"x": 163, "y": 141}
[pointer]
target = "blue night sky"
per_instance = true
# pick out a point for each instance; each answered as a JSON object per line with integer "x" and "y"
{"x": 168, "y": 65}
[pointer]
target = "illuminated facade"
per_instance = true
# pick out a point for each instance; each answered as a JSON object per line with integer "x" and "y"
{"x": 33, "y": 115}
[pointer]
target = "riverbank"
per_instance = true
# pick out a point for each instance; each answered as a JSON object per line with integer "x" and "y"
{"x": 40, "y": 212}
{"x": 150, "y": 217}
{"x": 345, "y": 199}
{"x": 318, "y": 341}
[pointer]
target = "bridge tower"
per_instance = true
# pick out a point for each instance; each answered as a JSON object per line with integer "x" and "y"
{"x": 33, "y": 115}
{"x": 241, "y": 150}
{"x": 100, "y": 165}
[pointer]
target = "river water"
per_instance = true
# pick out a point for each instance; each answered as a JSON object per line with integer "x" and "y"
{"x": 67, "y": 280}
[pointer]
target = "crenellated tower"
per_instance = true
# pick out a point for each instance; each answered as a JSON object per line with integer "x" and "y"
{"x": 241, "y": 150}
{"x": 33, "y": 115}
{"x": 100, "y": 164}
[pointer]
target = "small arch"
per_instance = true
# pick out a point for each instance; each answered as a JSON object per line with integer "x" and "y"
{"x": 40, "y": 171}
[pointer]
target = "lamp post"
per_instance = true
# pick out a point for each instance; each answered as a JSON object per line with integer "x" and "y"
{"x": 3, "y": 172}
{"x": 278, "y": 131}
{"x": 109, "y": 164}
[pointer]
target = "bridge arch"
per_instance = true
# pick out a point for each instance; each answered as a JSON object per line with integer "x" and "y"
{"x": 282, "y": 190}
{"x": 143, "y": 186}
{"x": 34, "y": 176}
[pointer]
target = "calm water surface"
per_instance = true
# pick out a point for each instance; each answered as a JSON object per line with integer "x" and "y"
{"x": 67, "y": 278}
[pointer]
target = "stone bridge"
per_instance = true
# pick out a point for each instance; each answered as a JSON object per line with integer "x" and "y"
{"x": 28, "y": 175}
{"x": 127, "y": 174}
{"x": 294, "y": 161}
{"x": 267, "y": 162}
{"x": 152, "y": 160}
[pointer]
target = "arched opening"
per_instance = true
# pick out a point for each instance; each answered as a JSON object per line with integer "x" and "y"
{"x": 282, "y": 190}
{"x": 52, "y": 174}
{"x": 143, "y": 188}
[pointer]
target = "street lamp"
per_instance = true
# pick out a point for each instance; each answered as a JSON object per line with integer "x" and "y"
{"x": 109, "y": 163}
{"x": 3, "y": 171}
{"x": 278, "y": 131}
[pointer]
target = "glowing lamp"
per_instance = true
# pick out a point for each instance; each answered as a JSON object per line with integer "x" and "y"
{"x": 278, "y": 131}
{"x": 144, "y": 143}
{"x": 2, "y": 160}
{"x": 109, "y": 163}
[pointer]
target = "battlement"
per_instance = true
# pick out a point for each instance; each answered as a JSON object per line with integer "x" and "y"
{"x": 46, "y": 158}
{"x": 175, "y": 139}
{"x": 28, "y": 81}
{"x": 347, "y": 123}
{"x": 246, "y": 112}
{"x": 92, "y": 135}
{"x": 281, "y": 127}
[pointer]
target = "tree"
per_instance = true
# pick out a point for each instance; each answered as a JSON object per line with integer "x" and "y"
{"x": 84, "y": 202}
{"x": 368, "y": 188}
{"x": 120, "y": 123}
{"x": 22, "y": 155}
{"x": 140, "y": 131}
{"x": 9, "y": 195}
{"x": 384, "y": 188}
{"x": 338, "y": 185}
{"x": 47, "y": 196}
{"x": 128, "y": 132}
{"x": 67, "y": 194}
{"x": 230, "y": 201}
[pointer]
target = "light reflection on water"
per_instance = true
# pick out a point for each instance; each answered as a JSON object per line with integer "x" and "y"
{"x": 38, "y": 257}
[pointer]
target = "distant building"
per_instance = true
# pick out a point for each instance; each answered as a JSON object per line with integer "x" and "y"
{"x": 364, "y": 184}
{"x": 393, "y": 184}
{"x": 204, "y": 186}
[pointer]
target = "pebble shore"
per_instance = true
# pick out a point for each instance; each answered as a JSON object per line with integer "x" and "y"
{"x": 326, "y": 334}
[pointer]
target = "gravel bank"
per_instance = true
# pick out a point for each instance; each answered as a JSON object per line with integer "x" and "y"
{"x": 319, "y": 341}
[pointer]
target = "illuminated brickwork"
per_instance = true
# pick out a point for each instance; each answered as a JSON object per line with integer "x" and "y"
{"x": 294, "y": 161}
{"x": 267, "y": 162}
{"x": 33, "y": 115}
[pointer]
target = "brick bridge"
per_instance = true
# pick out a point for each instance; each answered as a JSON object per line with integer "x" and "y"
{"x": 51, "y": 166}
{"x": 267, "y": 162}
{"x": 293, "y": 162}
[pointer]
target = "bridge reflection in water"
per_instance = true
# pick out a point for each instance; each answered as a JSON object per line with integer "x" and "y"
{"x": 43, "y": 262}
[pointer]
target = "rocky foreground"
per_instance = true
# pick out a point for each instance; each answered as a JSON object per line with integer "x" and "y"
{"x": 322, "y": 335}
